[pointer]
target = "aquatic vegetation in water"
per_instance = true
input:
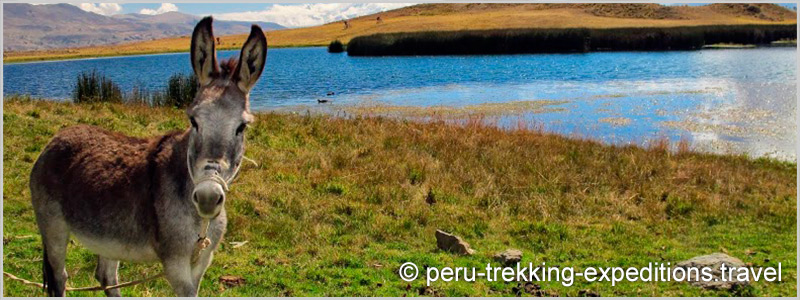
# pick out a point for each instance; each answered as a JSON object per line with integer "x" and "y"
{"x": 737, "y": 122}
{"x": 336, "y": 47}
{"x": 616, "y": 121}
{"x": 456, "y": 112}
{"x": 564, "y": 40}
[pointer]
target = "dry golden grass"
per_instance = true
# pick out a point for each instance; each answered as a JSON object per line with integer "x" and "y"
{"x": 423, "y": 18}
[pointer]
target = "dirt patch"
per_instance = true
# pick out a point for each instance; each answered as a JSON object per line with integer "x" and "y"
{"x": 769, "y": 12}
{"x": 633, "y": 11}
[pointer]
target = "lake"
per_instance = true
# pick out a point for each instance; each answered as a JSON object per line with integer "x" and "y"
{"x": 721, "y": 100}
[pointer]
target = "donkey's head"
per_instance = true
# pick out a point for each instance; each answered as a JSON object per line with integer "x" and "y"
{"x": 219, "y": 114}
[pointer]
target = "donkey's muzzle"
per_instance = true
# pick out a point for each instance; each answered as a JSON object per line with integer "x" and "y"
{"x": 208, "y": 197}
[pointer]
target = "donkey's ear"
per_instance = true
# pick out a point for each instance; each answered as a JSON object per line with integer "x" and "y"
{"x": 252, "y": 59}
{"x": 204, "y": 58}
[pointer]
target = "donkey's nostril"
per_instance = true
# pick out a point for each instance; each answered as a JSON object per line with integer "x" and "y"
{"x": 219, "y": 201}
{"x": 213, "y": 167}
{"x": 194, "y": 197}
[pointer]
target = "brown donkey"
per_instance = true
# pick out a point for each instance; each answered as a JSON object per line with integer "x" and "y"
{"x": 131, "y": 199}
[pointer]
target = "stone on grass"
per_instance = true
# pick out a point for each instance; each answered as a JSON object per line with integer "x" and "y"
{"x": 715, "y": 261}
{"x": 508, "y": 257}
{"x": 452, "y": 243}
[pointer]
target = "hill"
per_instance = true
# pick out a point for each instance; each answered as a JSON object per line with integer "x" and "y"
{"x": 475, "y": 16}
{"x": 39, "y": 27}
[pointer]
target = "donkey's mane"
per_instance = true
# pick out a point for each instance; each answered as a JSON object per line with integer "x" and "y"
{"x": 228, "y": 66}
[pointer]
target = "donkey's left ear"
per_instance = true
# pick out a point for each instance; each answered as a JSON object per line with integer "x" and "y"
{"x": 252, "y": 59}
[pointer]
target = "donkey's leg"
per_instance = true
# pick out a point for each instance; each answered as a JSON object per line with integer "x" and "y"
{"x": 199, "y": 269}
{"x": 54, "y": 239}
{"x": 106, "y": 274}
{"x": 178, "y": 271}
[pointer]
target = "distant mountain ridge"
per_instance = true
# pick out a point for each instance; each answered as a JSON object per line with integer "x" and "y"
{"x": 454, "y": 17}
{"x": 52, "y": 26}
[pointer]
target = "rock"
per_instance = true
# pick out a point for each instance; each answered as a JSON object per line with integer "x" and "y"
{"x": 452, "y": 243}
{"x": 508, "y": 257}
{"x": 715, "y": 261}
{"x": 588, "y": 293}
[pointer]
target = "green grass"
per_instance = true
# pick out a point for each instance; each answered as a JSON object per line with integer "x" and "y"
{"x": 336, "y": 206}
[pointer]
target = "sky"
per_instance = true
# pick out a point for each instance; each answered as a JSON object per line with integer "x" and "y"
{"x": 289, "y": 15}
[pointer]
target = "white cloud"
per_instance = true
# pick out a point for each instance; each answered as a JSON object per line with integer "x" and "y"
{"x": 310, "y": 14}
{"x": 165, "y": 7}
{"x": 106, "y": 9}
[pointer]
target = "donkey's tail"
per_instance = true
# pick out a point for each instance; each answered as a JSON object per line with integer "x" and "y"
{"x": 48, "y": 276}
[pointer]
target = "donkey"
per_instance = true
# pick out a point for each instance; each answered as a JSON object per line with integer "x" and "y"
{"x": 147, "y": 200}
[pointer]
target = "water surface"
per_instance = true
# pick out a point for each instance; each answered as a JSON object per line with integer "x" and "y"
{"x": 724, "y": 101}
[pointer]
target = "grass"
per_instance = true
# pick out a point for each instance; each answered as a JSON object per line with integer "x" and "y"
{"x": 558, "y": 40}
{"x": 337, "y": 205}
{"x": 429, "y": 17}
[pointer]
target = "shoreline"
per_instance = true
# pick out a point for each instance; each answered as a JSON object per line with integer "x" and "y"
{"x": 36, "y": 59}
{"x": 486, "y": 114}
{"x": 42, "y": 55}
{"x": 111, "y": 56}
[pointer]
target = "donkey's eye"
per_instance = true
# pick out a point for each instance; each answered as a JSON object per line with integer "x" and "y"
{"x": 194, "y": 123}
{"x": 241, "y": 128}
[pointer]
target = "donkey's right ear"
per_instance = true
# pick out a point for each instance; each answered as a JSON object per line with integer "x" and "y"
{"x": 203, "y": 55}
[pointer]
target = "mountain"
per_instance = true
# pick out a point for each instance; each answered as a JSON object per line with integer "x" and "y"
{"x": 478, "y": 16}
{"x": 458, "y": 16}
{"x": 51, "y": 26}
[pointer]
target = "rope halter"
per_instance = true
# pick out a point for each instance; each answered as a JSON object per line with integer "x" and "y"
{"x": 214, "y": 177}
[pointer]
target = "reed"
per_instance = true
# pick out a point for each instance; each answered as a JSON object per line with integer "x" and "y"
{"x": 515, "y": 41}
{"x": 93, "y": 87}
{"x": 336, "y": 47}
{"x": 179, "y": 92}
